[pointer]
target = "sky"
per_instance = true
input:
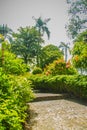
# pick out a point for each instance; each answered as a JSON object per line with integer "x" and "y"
{"x": 16, "y": 13}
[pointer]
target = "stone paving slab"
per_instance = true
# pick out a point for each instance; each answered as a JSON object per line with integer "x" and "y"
{"x": 60, "y": 114}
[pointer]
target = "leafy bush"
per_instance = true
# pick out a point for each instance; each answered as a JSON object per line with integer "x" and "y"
{"x": 48, "y": 83}
{"x": 72, "y": 84}
{"x": 15, "y": 92}
{"x": 77, "y": 85}
{"x": 14, "y": 65}
{"x": 37, "y": 70}
{"x": 60, "y": 67}
{"x": 9, "y": 116}
{"x": 79, "y": 53}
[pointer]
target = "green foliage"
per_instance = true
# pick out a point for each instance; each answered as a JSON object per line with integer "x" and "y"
{"x": 78, "y": 15}
{"x": 14, "y": 65}
{"x": 9, "y": 117}
{"x": 82, "y": 37}
{"x": 41, "y": 25}
{"x": 79, "y": 53}
{"x": 6, "y": 32}
{"x": 50, "y": 53}
{"x": 15, "y": 92}
{"x": 59, "y": 67}
{"x": 72, "y": 84}
{"x": 26, "y": 43}
{"x": 37, "y": 70}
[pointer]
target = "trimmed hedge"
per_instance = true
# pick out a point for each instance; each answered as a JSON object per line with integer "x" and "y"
{"x": 73, "y": 84}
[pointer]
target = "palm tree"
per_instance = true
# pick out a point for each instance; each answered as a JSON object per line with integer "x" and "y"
{"x": 41, "y": 26}
{"x": 6, "y": 33}
{"x": 65, "y": 48}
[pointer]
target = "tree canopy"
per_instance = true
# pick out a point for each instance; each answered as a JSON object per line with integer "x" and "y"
{"x": 26, "y": 42}
{"x": 78, "y": 17}
{"x": 41, "y": 25}
{"x": 6, "y": 32}
{"x": 49, "y": 54}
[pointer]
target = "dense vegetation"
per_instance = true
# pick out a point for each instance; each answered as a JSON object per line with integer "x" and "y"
{"x": 78, "y": 17}
{"x": 15, "y": 90}
{"x": 25, "y": 64}
{"x": 75, "y": 85}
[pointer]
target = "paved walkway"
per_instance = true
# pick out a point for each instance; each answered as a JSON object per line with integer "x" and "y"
{"x": 60, "y": 114}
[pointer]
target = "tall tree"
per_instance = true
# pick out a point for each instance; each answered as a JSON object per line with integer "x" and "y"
{"x": 65, "y": 47}
{"x": 41, "y": 26}
{"x": 26, "y": 43}
{"x": 6, "y": 32}
{"x": 78, "y": 17}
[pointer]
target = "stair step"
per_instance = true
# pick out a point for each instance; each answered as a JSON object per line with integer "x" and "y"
{"x": 49, "y": 96}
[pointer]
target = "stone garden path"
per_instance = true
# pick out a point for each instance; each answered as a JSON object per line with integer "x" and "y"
{"x": 59, "y": 114}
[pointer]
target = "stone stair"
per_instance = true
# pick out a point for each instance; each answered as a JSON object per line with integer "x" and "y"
{"x": 49, "y": 96}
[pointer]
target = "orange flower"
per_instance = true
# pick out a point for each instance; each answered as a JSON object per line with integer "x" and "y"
{"x": 48, "y": 73}
{"x": 67, "y": 66}
{"x": 76, "y": 58}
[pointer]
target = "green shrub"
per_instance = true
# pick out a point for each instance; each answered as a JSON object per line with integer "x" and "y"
{"x": 14, "y": 65}
{"x": 60, "y": 67}
{"x": 48, "y": 83}
{"x": 37, "y": 70}
{"x": 72, "y": 84}
{"x": 9, "y": 116}
{"x": 15, "y": 92}
{"x": 77, "y": 85}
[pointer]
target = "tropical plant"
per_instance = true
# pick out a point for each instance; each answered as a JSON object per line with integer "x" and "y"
{"x": 26, "y": 43}
{"x": 6, "y": 32}
{"x": 41, "y": 26}
{"x": 65, "y": 48}
{"x": 60, "y": 67}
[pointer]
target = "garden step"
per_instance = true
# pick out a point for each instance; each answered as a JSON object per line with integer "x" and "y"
{"x": 49, "y": 96}
{"x": 36, "y": 91}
